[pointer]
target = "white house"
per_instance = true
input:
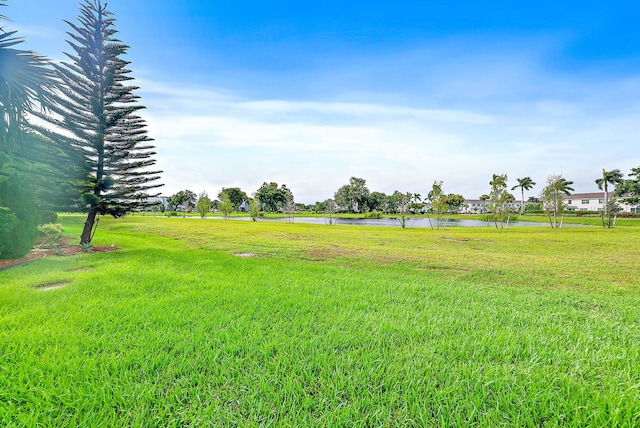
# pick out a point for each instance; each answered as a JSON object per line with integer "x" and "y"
{"x": 473, "y": 206}
{"x": 160, "y": 200}
{"x": 593, "y": 202}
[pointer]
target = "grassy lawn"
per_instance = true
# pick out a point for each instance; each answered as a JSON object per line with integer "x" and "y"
{"x": 211, "y": 322}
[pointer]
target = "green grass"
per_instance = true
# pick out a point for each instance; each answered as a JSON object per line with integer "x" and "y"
{"x": 330, "y": 326}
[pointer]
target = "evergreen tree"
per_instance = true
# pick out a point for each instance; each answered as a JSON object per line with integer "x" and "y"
{"x": 29, "y": 165}
{"x": 97, "y": 112}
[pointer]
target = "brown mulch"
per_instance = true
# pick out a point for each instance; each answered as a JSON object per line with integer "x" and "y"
{"x": 39, "y": 252}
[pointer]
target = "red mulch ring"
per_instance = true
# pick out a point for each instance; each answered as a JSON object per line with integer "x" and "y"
{"x": 66, "y": 249}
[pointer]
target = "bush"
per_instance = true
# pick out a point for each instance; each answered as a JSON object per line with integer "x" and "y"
{"x": 373, "y": 214}
{"x": 48, "y": 217}
{"x": 52, "y": 233}
{"x": 18, "y": 218}
{"x": 8, "y": 223}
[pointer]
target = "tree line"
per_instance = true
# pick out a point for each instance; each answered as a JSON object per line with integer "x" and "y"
{"x": 355, "y": 197}
{"x": 268, "y": 198}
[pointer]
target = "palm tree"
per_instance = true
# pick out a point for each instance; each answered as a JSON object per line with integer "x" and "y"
{"x": 525, "y": 183}
{"x": 608, "y": 177}
{"x": 552, "y": 198}
{"x": 24, "y": 79}
{"x": 416, "y": 198}
{"x": 484, "y": 198}
{"x": 24, "y": 158}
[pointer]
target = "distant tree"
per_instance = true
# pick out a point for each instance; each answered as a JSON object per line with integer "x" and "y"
{"x": 289, "y": 210}
{"x": 393, "y": 202}
{"x": 225, "y": 205}
{"x": 608, "y": 177}
{"x": 499, "y": 199}
{"x": 416, "y": 203}
{"x": 254, "y": 208}
{"x": 455, "y": 202}
{"x": 438, "y": 200}
{"x": 203, "y": 204}
{"x": 185, "y": 198}
{"x": 157, "y": 208}
{"x": 629, "y": 190}
{"x": 353, "y": 196}
{"x": 404, "y": 208}
{"x": 189, "y": 201}
{"x": 96, "y": 113}
{"x": 236, "y": 195}
{"x": 173, "y": 202}
{"x": 377, "y": 201}
{"x": 613, "y": 208}
{"x": 330, "y": 212}
{"x": 342, "y": 197}
{"x": 525, "y": 183}
{"x": 273, "y": 198}
{"x": 484, "y": 198}
{"x": 552, "y": 197}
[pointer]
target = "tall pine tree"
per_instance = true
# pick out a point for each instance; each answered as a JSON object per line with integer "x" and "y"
{"x": 97, "y": 113}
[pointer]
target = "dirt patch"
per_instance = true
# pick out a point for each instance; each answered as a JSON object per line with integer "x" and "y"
{"x": 7, "y": 263}
{"x": 82, "y": 269}
{"x": 65, "y": 249}
{"x": 330, "y": 253}
{"x": 245, "y": 255}
{"x": 52, "y": 286}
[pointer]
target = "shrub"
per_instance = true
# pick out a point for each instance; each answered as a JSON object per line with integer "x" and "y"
{"x": 8, "y": 222}
{"x": 18, "y": 218}
{"x": 373, "y": 214}
{"x": 48, "y": 217}
{"x": 52, "y": 233}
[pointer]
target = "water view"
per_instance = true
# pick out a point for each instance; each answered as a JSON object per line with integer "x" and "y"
{"x": 393, "y": 222}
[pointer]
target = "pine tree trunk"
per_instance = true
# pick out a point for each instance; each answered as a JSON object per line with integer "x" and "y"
{"x": 85, "y": 238}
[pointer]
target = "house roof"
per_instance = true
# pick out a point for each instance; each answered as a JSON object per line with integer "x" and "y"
{"x": 596, "y": 195}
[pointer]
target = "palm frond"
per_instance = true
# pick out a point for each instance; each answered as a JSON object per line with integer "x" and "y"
{"x": 24, "y": 80}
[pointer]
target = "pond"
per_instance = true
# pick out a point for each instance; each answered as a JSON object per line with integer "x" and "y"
{"x": 391, "y": 222}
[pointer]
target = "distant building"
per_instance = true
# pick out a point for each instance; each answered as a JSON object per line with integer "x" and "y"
{"x": 161, "y": 200}
{"x": 473, "y": 206}
{"x": 594, "y": 202}
{"x": 244, "y": 207}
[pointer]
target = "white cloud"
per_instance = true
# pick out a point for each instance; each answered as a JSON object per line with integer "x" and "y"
{"x": 517, "y": 120}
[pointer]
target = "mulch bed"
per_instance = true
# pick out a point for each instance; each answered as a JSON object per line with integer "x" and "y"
{"x": 39, "y": 252}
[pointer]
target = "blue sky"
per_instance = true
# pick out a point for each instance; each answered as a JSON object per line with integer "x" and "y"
{"x": 399, "y": 93}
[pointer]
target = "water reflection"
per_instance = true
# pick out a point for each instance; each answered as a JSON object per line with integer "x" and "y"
{"x": 391, "y": 222}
